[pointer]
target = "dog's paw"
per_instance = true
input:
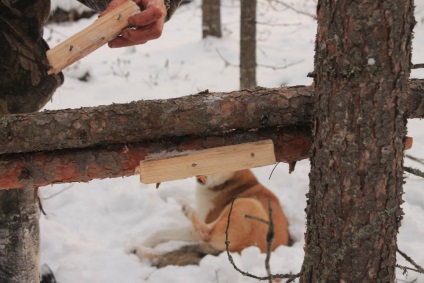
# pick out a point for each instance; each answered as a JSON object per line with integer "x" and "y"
{"x": 187, "y": 210}
{"x": 144, "y": 253}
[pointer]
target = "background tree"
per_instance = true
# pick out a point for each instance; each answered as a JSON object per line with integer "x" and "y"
{"x": 362, "y": 66}
{"x": 248, "y": 44}
{"x": 211, "y": 18}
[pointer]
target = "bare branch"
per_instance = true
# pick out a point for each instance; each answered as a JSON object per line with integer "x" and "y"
{"x": 419, "y": 160}
{"x": 244, "y": 273}
{"x": 411, "y": 261}
{"x": 417, "y": 66}
{"x": 406, "y": 268}
{"x": 293, "y": 9}
{"x": 256, "y": 218}
{"x": 269, "y": 239}
{"x": 414, "y": 171}
{"x": 280, "y": 67}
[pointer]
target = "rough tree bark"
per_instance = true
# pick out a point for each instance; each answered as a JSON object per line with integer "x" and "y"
{"x": 211, "y": 18}
{"x": 362, "y": 64}
{"x": 24, "y": 87}
{"x": 19, "y": 236}
{"x": 202, "y": 115}
{"x": 104, "y": 137}
{"x": 248, "y": 44}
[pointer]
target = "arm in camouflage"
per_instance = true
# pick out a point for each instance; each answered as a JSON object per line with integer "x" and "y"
{"x": 100, "y": 5}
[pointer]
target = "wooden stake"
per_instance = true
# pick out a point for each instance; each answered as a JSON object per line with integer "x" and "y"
{"x": 207, "y": 162}
{"x": 89, "y": 39}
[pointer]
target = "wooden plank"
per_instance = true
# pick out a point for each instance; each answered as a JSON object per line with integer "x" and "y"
{"x": 207, "y": 162}
{"x": 89, "y": 39}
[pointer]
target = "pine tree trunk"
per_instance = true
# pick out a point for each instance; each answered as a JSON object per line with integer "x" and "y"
{"x": 211, "y": 18}
{"x": 24, "y": 87}
{"x": 19, "y": 236}
{"x": 362, "y": 64}
{"x": 248, "y": 44}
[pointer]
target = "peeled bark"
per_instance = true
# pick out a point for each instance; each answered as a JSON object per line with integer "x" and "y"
{"x": 83, "y": 165}
{"x": 362, "y": 65}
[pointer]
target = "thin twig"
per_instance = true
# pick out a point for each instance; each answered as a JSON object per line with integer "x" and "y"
{"x": 419, "y": 160}
{"x": 406, "y": 268}
{"x": 226, "y": 62}
{"x": 270, "y": 175}
{"x": 294, "y": 9}
{"x": 280, "y": 67}
{"x": 231, "y": 260}
{"x": 58, "y": 193}
{"x": 401, "y": 280}
{"x": 269, "y": 239}
{"x": 278, "y": 25}
{"x": 256, "y": 218}
{"x": 417, "y": 66}
{"x": 40, "y": 205}
{"x": 414, "y": 171}
{"x": 411, "y": 261}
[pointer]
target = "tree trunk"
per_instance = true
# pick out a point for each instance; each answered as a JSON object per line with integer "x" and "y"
{"x": 25, "y": 87}
{"x": 362, "y": 64}
{"x": 248, "y": 44}
{"x": 19, "y": 236}
{"x": 211, "y": 18}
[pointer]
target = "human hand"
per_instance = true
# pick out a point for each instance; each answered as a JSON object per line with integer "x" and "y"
{"x": 144, "y": 26}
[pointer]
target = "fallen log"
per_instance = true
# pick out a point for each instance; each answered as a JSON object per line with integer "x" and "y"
{"x": 118, "y": 160}
{"x": 202, "y": 114}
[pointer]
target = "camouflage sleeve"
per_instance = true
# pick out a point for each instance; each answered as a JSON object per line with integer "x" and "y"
{"x": 171, "y": 6}
{"x": 100, "y": 5}
{"x": 96, "y": 5}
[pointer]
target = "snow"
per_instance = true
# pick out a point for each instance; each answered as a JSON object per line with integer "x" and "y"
{"x": 90, "y": 227}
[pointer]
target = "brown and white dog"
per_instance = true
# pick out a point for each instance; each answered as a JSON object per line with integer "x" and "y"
{"x": 209, "y": 219}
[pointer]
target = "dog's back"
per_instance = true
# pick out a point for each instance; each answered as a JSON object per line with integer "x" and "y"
{"x": 214, "y": 200}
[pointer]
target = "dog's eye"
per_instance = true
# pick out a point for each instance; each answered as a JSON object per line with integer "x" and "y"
{"x": 201, "y": 179}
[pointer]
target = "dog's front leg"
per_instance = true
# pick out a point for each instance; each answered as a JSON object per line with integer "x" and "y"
{"x": 200, "y": 227}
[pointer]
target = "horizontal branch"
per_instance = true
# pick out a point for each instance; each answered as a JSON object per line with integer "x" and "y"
{"x": 109, "y": 141}
{"x": 82, "y": 165}
{"x": 202, "y": 114}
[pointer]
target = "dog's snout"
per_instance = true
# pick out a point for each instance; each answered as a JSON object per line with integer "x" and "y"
{"x": 201, "y": 179}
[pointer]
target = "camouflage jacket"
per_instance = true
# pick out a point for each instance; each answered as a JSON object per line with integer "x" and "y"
{"x": 100, "y": 5}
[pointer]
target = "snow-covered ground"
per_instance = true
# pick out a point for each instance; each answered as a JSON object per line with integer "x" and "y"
{"x": 89, "y": 227}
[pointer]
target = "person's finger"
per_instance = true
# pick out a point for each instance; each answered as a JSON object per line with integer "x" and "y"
{"x": 122, "y": 42}
{"x": 147, "y": 17}
{"x": 143, "y": 34}
{"x": 112, "y": 5}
